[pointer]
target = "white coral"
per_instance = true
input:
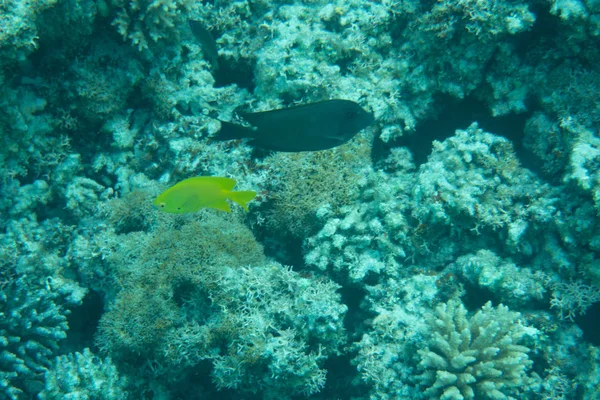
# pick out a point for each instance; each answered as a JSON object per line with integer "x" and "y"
{"x": 144, "y": 22}
{"x": 83, "y": 376}
{"x": 475, "y": 357}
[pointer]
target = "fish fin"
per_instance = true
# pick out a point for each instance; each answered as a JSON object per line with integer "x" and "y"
{"x": 221, "y": 181}
{"x": 190, "y": 205}
{"x": 231, "y": 131}
{"x": 242, "y": 197}
{"x": 224, "y": 183}
{"x": 221, "y": 205}
{"x": 255, "y": 117}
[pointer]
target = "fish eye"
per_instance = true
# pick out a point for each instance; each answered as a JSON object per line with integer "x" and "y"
{"x": 162, "y": 205}
{"x": 350, "y": 114}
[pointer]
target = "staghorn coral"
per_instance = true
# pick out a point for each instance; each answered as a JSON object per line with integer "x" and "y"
{"x": 285, "y": 324}
{"x": 476, "y": 357}
{"x": 572, "y": 298}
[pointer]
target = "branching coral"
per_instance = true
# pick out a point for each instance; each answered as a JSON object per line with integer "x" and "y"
{"x": 477, "y": 357}
{"x": 145, "y": 22}
{"x": 369, "y": 236}
{"x": 83, "y": 376}
{"x": 18, "y": 32}
{"x": 206, "y": 292}
{"x": 573, "y": 298}
{"x": 514, "y": 286}
{"x": 32, "y": 322}
{"x": 386, "y": 356}
{"x": 307, "y": 181}
{"x": 474, "y": 178}
{"x": 286, "y": 324}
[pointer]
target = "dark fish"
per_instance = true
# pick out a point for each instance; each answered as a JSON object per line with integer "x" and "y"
{"x": 204, "y": 37}
{"x": 314, "y": 126}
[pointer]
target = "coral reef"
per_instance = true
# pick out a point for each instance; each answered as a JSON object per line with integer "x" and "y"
{"x": 510, "y": 284}
{"x": 385, "y": 357}
{"x": 19, "y": 34}
{"x": 475, "y": 178}
{"x": 33, "y": 321}
{"x": 144, "y": 22}
{"x": 215, "y": 297}
{"x": 307, "y": 182}
{"x": 371, "y": 235}
{"x": 477, "y": 184}
{"x": 448, "y": 354}
{"x": 83, "y": 376}
{"x": 477, "y": 357}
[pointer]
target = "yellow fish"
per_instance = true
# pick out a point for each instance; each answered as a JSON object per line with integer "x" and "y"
{"x": 192, "y": 194}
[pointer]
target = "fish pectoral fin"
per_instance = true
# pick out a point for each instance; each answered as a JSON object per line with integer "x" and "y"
{"x": 191, "y": 204}
{"x": 221, "y": 205}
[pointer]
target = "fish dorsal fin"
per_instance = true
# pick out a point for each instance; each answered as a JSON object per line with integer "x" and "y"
{"x": 220, "y": 181}
{"x": 225, "y": 183}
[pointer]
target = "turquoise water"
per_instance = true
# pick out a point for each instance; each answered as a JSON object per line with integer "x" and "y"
{"x": 448, "y": 250}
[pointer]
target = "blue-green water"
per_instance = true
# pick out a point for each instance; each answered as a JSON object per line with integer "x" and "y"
{"x": 449, "y": 250}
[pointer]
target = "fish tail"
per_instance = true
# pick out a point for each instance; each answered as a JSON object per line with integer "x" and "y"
{"x": 231, "y": 131}
{"x": 243, "y": 197}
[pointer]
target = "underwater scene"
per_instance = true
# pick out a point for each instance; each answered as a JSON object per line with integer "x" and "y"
{"x": 300, "y": 199}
